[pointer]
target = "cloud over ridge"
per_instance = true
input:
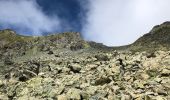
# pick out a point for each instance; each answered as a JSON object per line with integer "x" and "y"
{"x": 26, "y": 16}
{"x": 121, "y": 22}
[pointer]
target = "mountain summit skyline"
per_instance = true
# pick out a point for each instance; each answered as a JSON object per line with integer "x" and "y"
{"x": 111, "y": 22}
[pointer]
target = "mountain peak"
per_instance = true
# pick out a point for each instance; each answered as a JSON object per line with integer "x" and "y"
{"x": 166, "y": 23}
{"x": 72, "y": 40}
{"x": 157, "y": 38}
{"x": 7, "y": 31}
{"x": 162, "y": 26}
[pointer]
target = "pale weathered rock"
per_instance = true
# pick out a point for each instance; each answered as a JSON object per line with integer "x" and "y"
{"x": 144, "y": 76}
{"x": 102, "y": 57}
{"x": 160, "y": 90}
{"x": 66, "y": 70}
{"x": 165, "y": 72}
{"x": 75, "y": 68}
{"x": 125, "y": 97}
{"x": 115, "y": 69}
{"x": 91, "y": 67}
{"x": 84, "y": 85}
{"x": 26, "y": 97}
{"x": 91, "y": 90}
{"x": 1, "y": 83}
{"x": 160, "y": 98}
{"x": 62, "y": 97}
{"x": 60, "y": 89}
{"x": 102, "y": 81}
{"x": 3, "y": 96}
{"x": 158, "y": 79}
{"x": 111, "y": 97}
{"x": 74, "y": 94}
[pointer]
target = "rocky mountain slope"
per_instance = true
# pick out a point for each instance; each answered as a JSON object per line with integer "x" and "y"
{"x": 157, "y": 39}
{"x": 65, "y": 67}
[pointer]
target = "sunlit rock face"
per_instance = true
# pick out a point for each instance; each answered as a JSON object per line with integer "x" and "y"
{"x": 64, "y": 66}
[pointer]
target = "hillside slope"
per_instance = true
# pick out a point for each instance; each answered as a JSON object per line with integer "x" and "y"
{"x": 157, "y": 39}
{"x": 65, "y": 67}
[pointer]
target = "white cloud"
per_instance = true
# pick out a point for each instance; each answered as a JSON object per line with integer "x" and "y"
{"x": 27, "y": 15}
{"x": 121, "y": 22}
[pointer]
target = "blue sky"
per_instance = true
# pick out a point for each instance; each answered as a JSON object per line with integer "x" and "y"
{"x": 58, "y": 15}
{"x": 70, "y": 11}
{"x": 111, "y": 22}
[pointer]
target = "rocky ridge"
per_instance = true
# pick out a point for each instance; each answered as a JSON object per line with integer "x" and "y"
{"x": 157, "y": 39}
{"x": 65, "y": 67}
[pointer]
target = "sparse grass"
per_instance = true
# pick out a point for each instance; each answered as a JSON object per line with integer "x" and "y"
{"x": 152, "y": 73}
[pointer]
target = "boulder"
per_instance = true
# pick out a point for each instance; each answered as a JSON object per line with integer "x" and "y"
{"x": 102, "y": 81}
{"x": 165, "y": 72}
{"x": 74, "y": 94}
{"x": 102, "y": 57}
{"x": 62, "y": 97}
{"x": 75, "y": 68}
